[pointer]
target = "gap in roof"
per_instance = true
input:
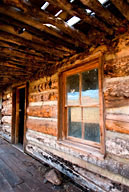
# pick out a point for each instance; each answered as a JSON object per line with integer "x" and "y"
{"x": 58, "y": 13}
{"x": 88, "y": 11}
{"x": 102, "y": 1}
{"x": 73, "y": 21}
{"x": 71, "y": 1}
{"x": 45, "y": 6}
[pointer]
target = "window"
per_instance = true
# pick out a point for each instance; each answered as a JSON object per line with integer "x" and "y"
{"x": 81, "y": 105}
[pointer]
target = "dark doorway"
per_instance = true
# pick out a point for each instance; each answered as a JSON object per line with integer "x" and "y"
{"x": 21, "y": 115}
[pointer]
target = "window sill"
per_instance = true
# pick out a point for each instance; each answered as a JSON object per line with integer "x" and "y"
{"x": 82, "y": 149}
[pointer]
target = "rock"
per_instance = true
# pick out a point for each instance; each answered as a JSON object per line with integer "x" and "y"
{"x": 54, "y": 177}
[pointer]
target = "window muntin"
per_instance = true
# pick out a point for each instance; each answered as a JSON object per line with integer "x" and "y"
{"x": 82, "y": 105}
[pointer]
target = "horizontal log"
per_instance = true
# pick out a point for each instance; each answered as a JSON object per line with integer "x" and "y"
{"x": 117, "y": 87}
{"x": 116, "y": 102}
{"x": 118, "y": 67}
{"x": 44, "y": 86}
{"x": 44, "y": 126}
{"x": 7, "y": 119}
{"x": 116, "y": 92}
{"x": 6, "y": 99}
{"x": 44, "y": 96}
{"x": 117, "y": 126}
{"x": 7, "y": 110}
{"x": 42, "y": 103}
{"x": 6, "y": 128}
{"x": 43, "y": 111}
{"x": 118, "y": 117}
{"x": 118, "y": 110}
{"x": 117, "y": 144}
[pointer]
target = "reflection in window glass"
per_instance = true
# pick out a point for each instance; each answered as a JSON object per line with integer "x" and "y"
{"x": 73, "y": 89}
{"x": 74, "y": 122}
{"x": 91, "y": 124}
{"x": 90, "y": 93}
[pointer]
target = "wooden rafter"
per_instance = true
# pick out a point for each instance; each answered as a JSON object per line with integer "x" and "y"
{"x": 47, "y": 40}
{"x": 32, "y": 38}
{"x": 35, "y": 41}
{"x": 39, "y": 47}
{"x": 123, "y": 7}
{"x": 102, "y": 12}
{"x": 74, "y": 10}
{"x": 40, "y": 23}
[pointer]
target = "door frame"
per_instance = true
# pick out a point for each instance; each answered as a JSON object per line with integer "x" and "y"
{"x": 15, "y": 114}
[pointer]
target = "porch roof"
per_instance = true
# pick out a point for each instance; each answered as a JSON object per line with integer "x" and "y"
{"x": 36, "y": 36}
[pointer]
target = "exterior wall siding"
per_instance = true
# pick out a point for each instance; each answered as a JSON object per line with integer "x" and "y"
{"x": 6, "y": 121}
{"x": 109, "y": 173}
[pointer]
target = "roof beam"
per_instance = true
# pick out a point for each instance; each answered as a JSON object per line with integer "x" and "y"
{"x": 41, "y": 18}
{"x": 72, "y": 9}
{"x": 20, "y": 48}
{"x": 102, "y": 12}
{"x": 11, "y": 37}
{"x": 33, "y": 39}
{"x": 49, "y": 41}
{"x": 123, "y": 7}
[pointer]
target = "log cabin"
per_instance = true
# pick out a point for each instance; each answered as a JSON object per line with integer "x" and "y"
{"x": 64, "y": 86}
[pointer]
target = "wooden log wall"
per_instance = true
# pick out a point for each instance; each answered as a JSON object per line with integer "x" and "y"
{"x": 6, "y": 114}
{"x": 89, "y": 169}
{"x": 100, "y": 173}
{"x": 42, "y": 112}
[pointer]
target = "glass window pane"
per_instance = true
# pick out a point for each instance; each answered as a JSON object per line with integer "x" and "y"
{"x": 74, "y": 122}
{"x": 90, "y": 93}
{"x": 73, "y": 90}
{"x": 91, "y": 124}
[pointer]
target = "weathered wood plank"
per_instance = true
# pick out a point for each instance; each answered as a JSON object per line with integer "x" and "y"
{"x": 116, "y": 91}
{"x": 7, "y": 119}
{"x": 4, "y": 185}
{"x": 118, "y": 126}
{"x": 118, "y": 110}
{"x": 116, "y": 102}
{"x": 37, "y": 87}
{"x": 43, "y": 111}
{"x": 7, "y": 110}
{"x": 117, "y": 67}
{"x": 117, "y": 144}
{"x": 9, "y": 174}
{"x": 118, "y": 117}
{"x": 44, "y": 96}
{"x": 46, "y": 126}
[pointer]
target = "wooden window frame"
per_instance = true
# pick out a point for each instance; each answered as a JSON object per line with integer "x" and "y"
{"x": 91, "y": 63}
